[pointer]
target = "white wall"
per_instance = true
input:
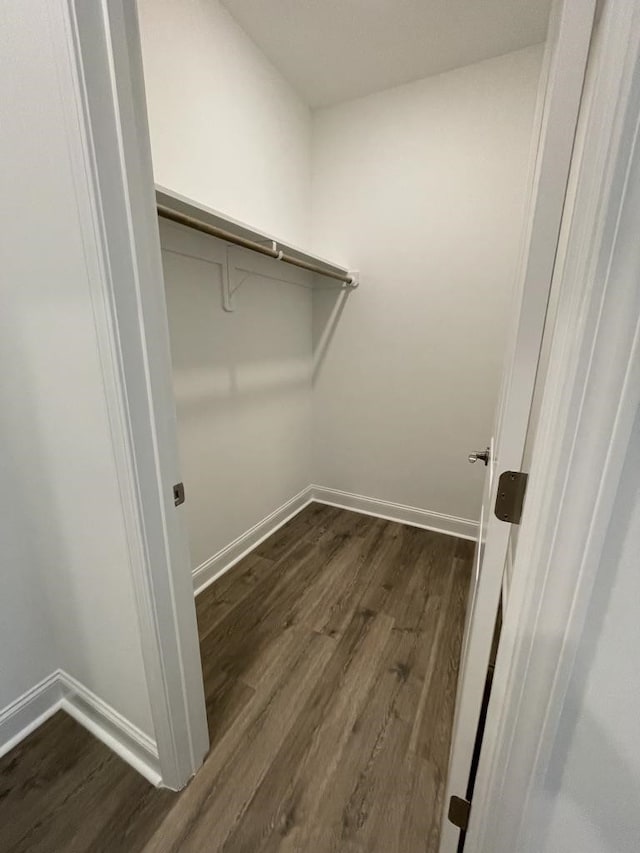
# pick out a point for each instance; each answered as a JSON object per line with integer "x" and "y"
{"x": 421, "y": 188}
{"x": 26, "y": 635}
{"x": 69, "y": 600}
{"x": 230, "y": 132}
{"x": 242, "y": 383}
{"x": 589, "y": 799}
{"x": 226, "y": 129}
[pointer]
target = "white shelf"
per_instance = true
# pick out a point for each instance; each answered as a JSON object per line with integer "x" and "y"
{"x": 181, "y": 205}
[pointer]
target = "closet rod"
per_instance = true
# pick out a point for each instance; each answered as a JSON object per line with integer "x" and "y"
{"x": 229, "y": 237}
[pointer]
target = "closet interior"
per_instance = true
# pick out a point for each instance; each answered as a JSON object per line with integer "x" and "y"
{"x": 372, "y": 397}
{"x": 341, "y": 192}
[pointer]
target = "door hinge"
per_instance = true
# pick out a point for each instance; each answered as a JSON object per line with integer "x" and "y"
{"x": 178, "y": 494}
{"x": 459, "y": 811}
{"x": 510, "y": 498}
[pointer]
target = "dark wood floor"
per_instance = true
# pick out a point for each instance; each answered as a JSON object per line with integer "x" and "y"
{"x": 330, "y": 656}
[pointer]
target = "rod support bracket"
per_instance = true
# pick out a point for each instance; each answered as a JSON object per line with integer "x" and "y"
{"x": 355, "y": 279}
{"x": 227, "y": 290}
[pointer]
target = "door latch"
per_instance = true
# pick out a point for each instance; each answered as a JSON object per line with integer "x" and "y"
{"x": 178, "y": 494}
{"x": 480, "y": 454}
{"x": 510, "y": 498}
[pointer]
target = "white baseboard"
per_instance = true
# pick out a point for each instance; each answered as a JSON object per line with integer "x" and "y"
{"x": 206, "y": 573}
{"x": 213, "y": 568}
{"x": 451, "y": 525}
{"x": 108, "y": 725}
{"x": 60, "y": 691}
{"x": 29, "y": 711}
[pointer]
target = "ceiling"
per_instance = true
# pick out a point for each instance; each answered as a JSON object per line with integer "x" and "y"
{"x": 334, "y": 50}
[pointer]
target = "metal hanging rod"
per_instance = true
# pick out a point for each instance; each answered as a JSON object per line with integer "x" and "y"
{"x": 271, "y": 251}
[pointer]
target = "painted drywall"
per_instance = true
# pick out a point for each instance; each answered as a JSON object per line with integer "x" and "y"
{"x": 422, "y": 189}
{"x": 26, "y": 635}
{"x": 226, "y": 129}
{"x": 242, "y": 383}
{"x": 69, "y": 601}
{"x": 588, "y": 802}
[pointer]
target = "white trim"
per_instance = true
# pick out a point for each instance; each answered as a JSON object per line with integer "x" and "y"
{"x": 216, "y": 566}
{"x": 561, "y": 87}
{"x": 115, "y": 195}
{"x": 62, "y": 692}
{"x": 213, "y": 568}
{"x": 105, "y": 723}
{"x": 28, "y": 712}
{"x": 590, "y": 401}
{"x": 451, "y": 525}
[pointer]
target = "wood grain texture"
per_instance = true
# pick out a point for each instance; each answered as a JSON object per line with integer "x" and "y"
{"x": 330, "y": 658}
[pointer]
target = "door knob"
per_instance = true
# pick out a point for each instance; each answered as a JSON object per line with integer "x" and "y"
{"x": 480, "y": 454}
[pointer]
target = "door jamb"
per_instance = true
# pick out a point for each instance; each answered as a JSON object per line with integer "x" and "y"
{"x": 590, "y": 400}
{"x": 554, "y": 129}
{"x": 120, "y": 231}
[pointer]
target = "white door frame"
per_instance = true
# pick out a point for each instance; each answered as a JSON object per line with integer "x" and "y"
{"x": 120, "y": 231}
{"x": 554, "y": 131}
{"x": 590, "y": 400}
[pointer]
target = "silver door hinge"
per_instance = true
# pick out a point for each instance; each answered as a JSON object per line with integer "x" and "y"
{"x": 510, "y": 498}
{"x": 178, "y": 494}
{"x": 459, "y": 811}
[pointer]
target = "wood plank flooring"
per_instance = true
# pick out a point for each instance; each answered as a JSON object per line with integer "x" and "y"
{"x": 330, "y": 656}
